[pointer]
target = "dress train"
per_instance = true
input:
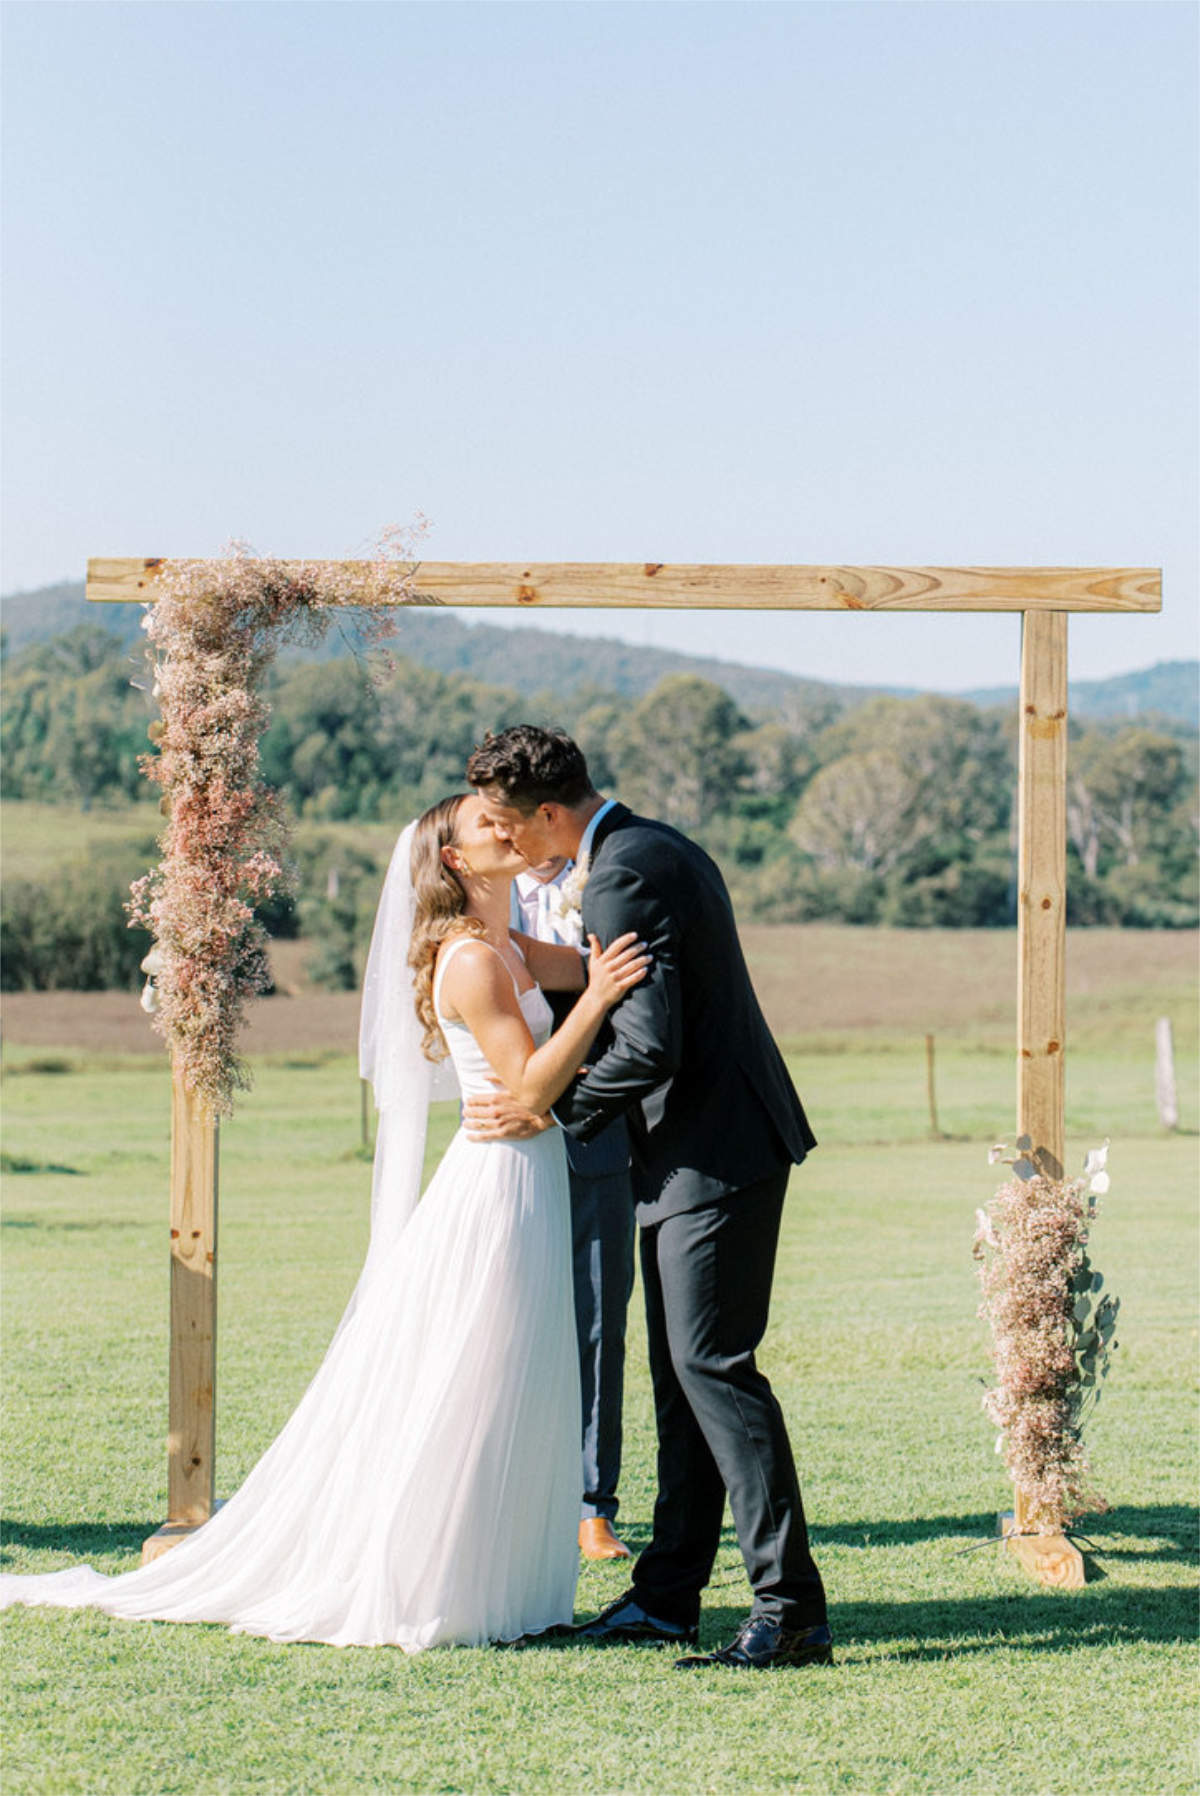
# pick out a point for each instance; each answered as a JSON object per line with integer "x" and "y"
{"x": 426, "y": 1489}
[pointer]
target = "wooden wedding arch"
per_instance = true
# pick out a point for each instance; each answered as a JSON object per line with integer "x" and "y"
{"x": 1043, "y": 596}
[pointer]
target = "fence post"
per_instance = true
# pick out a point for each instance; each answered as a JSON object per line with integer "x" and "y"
{"x": 934, "y": 1131}
{"x": 1164, "y": 1074}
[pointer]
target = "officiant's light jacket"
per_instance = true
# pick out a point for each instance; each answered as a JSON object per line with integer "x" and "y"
{"x": 689, "y": 1060}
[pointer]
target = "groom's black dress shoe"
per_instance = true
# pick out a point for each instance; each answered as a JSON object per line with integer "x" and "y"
{"x": 761, "y": 1644}
{"x": 626, "y": 1623}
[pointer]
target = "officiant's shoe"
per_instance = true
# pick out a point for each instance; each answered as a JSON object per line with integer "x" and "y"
{"x": 597, "y": 1540}
{"x": 761, "y": 1645}
{"x": 626, "y": 1623}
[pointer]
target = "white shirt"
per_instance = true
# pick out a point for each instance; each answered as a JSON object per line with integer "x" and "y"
{"x": 535, "y": 903}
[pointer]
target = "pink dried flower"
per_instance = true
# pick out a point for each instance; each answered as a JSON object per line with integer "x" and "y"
{"x": 211, "y": 634}
{"x": 1051, "y": 1332}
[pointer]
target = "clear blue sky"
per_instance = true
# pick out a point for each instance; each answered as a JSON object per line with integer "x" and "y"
{"x": 756, "y": 282}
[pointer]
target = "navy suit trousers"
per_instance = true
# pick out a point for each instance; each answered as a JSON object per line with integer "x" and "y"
{"x": 707, "y": 1278}
{"x": 603, "y": 1230}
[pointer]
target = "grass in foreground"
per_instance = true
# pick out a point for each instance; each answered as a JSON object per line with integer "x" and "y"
{"x": 954, "y": 1673}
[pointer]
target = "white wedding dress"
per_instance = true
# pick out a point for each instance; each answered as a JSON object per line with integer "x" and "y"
{"x": 426, "y": 1489}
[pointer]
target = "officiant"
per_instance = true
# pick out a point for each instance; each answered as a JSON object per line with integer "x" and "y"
{"x": 602, "y": 1226}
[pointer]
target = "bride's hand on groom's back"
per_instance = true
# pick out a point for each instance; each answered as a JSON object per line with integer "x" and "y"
{"x": 498, "y": 1117}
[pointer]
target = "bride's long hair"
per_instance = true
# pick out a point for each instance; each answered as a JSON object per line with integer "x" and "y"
{"x": 439, "y": 911}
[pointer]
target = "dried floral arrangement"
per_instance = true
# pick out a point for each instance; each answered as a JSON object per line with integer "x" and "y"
{"x": 1053, "y": 1333}
{"x": 212, "y": 632}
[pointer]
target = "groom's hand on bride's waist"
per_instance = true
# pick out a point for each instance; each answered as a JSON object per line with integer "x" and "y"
{"x": 498, "y": 1117}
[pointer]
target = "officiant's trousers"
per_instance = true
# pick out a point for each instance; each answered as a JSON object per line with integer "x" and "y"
{"x": 602, "y": 1239}
{"x": 707, "y": 1278}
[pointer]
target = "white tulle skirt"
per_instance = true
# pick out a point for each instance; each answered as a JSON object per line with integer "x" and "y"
{"x": 426, "y": 1490}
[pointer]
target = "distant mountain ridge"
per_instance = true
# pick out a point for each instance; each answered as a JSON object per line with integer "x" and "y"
{"x": 542, "y": 661}
{"x": 1167, "y": 689}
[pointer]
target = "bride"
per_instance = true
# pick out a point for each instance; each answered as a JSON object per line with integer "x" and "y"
{"x": 426, "y": 1489}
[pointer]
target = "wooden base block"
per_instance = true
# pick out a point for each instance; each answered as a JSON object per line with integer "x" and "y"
{"x": 1050, "y": 1558}
{"x": 168, "y": 1536}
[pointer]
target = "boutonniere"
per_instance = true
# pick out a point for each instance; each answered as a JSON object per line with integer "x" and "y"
{"x": 570, "y": 893}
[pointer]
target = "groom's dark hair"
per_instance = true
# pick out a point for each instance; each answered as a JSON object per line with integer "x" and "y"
{"x": 528, "y": 766}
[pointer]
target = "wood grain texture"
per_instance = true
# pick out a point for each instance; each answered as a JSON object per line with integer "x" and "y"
{"x": 1041, "y": 963}
{"x": 1050, "y": 1558}
{"x": 1042, "y": 886}
{"x": 193, "y": 1316}
{"x": 168, "y": 1536}
{"x": 659, "y": 585}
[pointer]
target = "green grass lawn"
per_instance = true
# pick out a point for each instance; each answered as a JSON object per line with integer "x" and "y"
{"x": 954, "y": 1672}
{"x": 39, "y": 838}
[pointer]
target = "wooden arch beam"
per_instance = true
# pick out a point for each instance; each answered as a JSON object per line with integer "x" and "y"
{"x": 1042, "y": 595}
{"x": 750, "y": 586}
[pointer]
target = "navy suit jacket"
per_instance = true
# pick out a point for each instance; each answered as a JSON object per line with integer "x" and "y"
{"x": 689, "y": 1060}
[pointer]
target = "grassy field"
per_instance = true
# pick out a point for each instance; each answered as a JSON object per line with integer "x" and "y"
{"x": 39, "y": 838}
{"x": 954, "y": 1673}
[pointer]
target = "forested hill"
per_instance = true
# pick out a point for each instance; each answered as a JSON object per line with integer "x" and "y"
{"x": 545, "y": 661}
{"x": 817, "y": 801}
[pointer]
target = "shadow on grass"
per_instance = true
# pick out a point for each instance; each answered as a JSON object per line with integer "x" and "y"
{"x": 888, "y": 1533}
{"x": 76, "y": 1538}
{"x": 1025, "y": 1621}
{"x": 1152, "y": 1531}
{"x": 48, "y": 1226}
{"x": 21, "y": 1163}
{"x": 1149, "y": 1531}
{"x": 971, "y": 1626}
{"x": 1103, "y": 1613}
{"x": 44, "y": 1063}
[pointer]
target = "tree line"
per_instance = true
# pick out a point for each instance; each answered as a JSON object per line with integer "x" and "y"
{"x": 898, "y": 811}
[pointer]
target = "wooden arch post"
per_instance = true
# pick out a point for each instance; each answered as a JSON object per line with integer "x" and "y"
{"x": 1043, "y": 596}
{"x": 1042, "y": 886}
{"x": 1041, "y": 976}
{"x": 191, "y": 1411}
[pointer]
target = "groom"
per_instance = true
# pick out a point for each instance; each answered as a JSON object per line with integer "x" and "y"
{"x": 715, "y": 1126}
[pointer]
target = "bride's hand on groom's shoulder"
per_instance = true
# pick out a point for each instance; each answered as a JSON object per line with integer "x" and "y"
{"x": 498, "y": 1117}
